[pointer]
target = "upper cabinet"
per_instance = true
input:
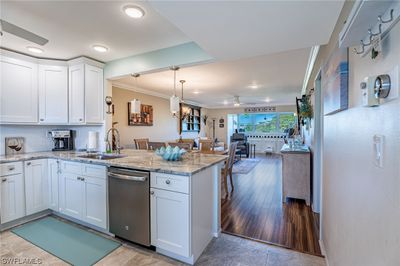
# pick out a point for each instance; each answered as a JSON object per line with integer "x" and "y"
{"x": 94, "y": 94}
{"x": 53, "y": 94}
{"x": 38, "y": 91}
{"x": 18, "y": 91}
{"x": 77, "y": 94}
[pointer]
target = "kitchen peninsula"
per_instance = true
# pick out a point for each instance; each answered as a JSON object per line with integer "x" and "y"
{"x": 184, "y": 195}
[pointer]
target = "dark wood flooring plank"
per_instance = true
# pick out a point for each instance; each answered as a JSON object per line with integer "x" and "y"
{"x": 255, "y": 210}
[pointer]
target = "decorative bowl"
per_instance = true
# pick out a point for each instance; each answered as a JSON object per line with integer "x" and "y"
{"x": 170, "y": 154}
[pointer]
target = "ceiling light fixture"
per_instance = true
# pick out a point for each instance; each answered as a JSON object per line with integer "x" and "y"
{"x": 225, "y": 102}
{"x": 100, "y": 48}
{"x": 182, "y": 81}
{"x": 253, "y": 86}
{"x": 135, "y": 103}
{"x": 236, "y": 101}
{"x": 34, "y": 50}
{"x": 196, "y": 92}
{"x": 133, "y": 11}
{"x": 174, "y": 100}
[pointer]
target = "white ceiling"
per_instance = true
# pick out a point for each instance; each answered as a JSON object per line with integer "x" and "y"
{"x": 240, "y": 29}
{"x": 73, "y": 27}
{"x": 277, "y": 77}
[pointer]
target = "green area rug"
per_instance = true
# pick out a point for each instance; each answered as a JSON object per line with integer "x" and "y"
{"x": 65, "y": 241}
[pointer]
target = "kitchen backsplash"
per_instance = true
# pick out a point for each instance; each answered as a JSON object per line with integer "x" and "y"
{"x": 38, "y": 139}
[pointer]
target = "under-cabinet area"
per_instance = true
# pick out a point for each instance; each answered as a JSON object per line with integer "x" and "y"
{"x": 183, "y": 216}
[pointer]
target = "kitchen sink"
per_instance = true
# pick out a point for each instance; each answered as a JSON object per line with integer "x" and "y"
{"x": 102, "y": 156}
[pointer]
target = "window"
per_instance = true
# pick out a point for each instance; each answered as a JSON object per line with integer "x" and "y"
{"x": 265, "y": 123}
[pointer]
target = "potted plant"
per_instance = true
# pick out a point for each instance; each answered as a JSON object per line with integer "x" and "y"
{"x": 306, "y": 109}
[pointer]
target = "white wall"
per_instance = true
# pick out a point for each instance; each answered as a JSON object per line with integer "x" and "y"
{"x": 361, "y": 202}
{"x": 165, "y": 127}
{"x": 37, "y": 138}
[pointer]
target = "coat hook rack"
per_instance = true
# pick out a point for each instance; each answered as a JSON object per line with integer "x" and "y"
{"x": 371, "y": 34}
{"x": 362, "y": 49}
{"x": 386, "y": 21}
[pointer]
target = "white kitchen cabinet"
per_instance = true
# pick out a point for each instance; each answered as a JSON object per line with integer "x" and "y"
{"x": 12, "y": 194}
{"x": 53, "y": 170}
{"x": 36, "y": 186}
{"x": 72, "y": 195}
{"x": 93, "y": 94}
{"x": 53, "y": 94}
{"x": 83, "y": 192}
{"x": 170, "y": 221}
{"x": 18, "y": 91}
{"x": 95, "y": 201}
{"x": 76, "y": 85}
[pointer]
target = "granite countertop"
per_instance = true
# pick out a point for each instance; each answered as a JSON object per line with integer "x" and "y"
{"x": 295, "y": 149}
{"x": 134, "y": 159}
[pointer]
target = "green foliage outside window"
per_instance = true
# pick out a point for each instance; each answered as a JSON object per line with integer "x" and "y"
{"x": 266, "y": 123}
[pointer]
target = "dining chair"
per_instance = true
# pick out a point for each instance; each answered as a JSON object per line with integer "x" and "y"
{"x": 206, "y": 145}
{"x": 183, "y": 145}
{"x": 227, "y": 170}
{"x": 142, "y": 144}
{"x": 153, "y": 145}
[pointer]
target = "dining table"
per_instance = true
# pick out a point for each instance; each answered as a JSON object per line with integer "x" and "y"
{"x": 223, "y": 152}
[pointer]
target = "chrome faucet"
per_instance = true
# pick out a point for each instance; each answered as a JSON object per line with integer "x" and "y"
{"x": 118, "y": 139}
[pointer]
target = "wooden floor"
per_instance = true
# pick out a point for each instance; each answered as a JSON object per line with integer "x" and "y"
{"x": 255, "y": 210}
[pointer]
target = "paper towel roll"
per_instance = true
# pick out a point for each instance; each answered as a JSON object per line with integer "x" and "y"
{"x": 93, "y": 139}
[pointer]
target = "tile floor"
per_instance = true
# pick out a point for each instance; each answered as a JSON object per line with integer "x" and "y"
{"x": 226, "y": 250}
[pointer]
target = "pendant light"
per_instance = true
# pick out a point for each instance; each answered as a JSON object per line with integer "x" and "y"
{"x": 135, "y": 103}
{"x": 174, "y": 100}
{"x": 182, "y": 81}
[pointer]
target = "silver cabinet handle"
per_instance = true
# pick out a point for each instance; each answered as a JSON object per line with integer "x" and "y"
{"x": 80, "y": 119}
{"x": 10, "y": 168}
{"x": 78, "y": 178}
{"x": 152, "y": 192}
{"x": 167, "y": 181}
{"x": 41, "y": 119}
{"x": 3, "y": 179}
{"x": 82, "y": 179}
{"x": 28, "y": 163}
{"x": 128, "y": 177}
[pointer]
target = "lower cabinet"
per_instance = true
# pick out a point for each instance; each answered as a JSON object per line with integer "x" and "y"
{"x": 83, "y": 193}
{"x": 36, "y": 186}
{"x": 12, "y": 202}
{"x": 170, "y": 221}
{"x": 53, "y": 170}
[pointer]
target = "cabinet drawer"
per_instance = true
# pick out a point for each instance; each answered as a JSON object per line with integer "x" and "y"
{"x": 72, "y": 167}
{"x": 10, "y": 168}
{"x": 170, "y": 182}
{"x": 94, "y": 171}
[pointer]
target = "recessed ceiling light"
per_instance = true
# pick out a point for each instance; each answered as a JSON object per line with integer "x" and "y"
{"x": 196, "y": 92}
{"x": 100, "y": 48}
{"x": 253, "y": 86}
{"x": 225, "y": 102}
{"x": 133, "y": 11}
{"x": 34, "y": 50}
{"x": 267, "y": 100}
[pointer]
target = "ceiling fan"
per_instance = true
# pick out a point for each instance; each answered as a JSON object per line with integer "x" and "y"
{"x": 21, "y": 33}
{"x": 237, "y": 102}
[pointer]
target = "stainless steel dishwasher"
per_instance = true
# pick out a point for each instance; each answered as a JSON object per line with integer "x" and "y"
{"x": 129, "y": 204}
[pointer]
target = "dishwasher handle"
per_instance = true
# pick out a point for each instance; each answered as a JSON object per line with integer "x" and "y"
{"x": 128, "y": 177}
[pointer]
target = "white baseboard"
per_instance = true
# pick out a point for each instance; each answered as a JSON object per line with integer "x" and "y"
{"x": 323, "y": 251}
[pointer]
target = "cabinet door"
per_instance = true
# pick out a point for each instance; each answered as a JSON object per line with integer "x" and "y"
{"x": 72, "y": 195}
{"x": 170, "y": 221}
{"x": 36, "y": 186}
{"x": 53, "y": 94}
{"x": 53, "y": 174}
{"x": 18, "y": 91}
{"x": 94, "y": 94}
{"x": 12, "y": 197}
{"x": 77, "y": 94}
{"x": 95, "y": 201}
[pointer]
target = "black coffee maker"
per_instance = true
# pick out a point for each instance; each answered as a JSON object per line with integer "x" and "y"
{"x": 63, "y": 139}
